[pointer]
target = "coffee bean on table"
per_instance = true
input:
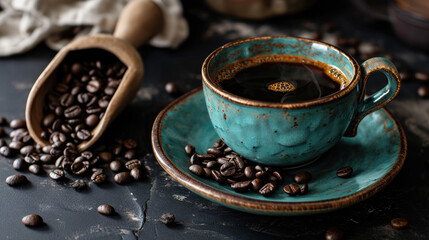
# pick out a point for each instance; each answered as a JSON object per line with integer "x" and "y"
{"x": 130, "y": 154}
{"x": 399, "y": 223}
{"x": 78, "y": 184}
{"x": 32, "y": 158}
{"x": 171, "y": 88}
{"x": 19, "y": 164}
{"x": 35, "y": 169}
{"x": 115, "y": 166}
{"x": 57, "y": 174}
{"x": 98, "y": 177}
{"x": 122, "y": 178}
{"x": 292, "y": 189}
{"x": 190, "y": 150}
{"x": 345, "y": 172}
{"x": 5, "y": 151}
{"x": 32, "y": 220}
{"x": 168, "y": 218}
{"x": 26, "y": 150}
{"x": 16, "y": 145}
{"x": 137, "y": 174}
{"x": 133, "y": 164}
{"x": 106, "y": 156}
{"x": 196, "y": 169}
{"x": 421, "y": 76}
{"x": 106, "y": 209}
{"x": 16, "y": 180}
{"x": 3, "y": 121}
{"x": 334, "y": 233}
{"x": 130, "y": 143}
{"x": 17, "y": 123}
{"x": 302, "y": 177}
{"x": 423, "y": 91}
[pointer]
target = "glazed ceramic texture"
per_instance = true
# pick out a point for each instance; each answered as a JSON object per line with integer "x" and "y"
{"x": 291, "y": 134}
{"x": 376, "y": 154}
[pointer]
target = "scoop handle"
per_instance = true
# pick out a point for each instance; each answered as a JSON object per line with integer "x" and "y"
{"x": 139, "y": 21}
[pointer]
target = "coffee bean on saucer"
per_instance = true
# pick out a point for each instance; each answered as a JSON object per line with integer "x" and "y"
{"x": 122, "y": 178}
{"x": 106, "y": 209}
{"x": 292, "y": 189}
{"x": 171, "y": 88}
{"x": 241, "y": 186}
{"x": 190, "y": 150}
{"x": 167, "y": 218}
{"x": 115, "y": 166}
{"x": 304, "y": 189}
{"x": 256, "y": 184}
{"x": 17, "y": 123}
{"x": 32, "y": 220}
{"x": 57, "y": 174}
{"x": 345, "y": 172}
{"x": 302, "y": 177}
{"x": 19, "y": 164}
{"x": 399, "y": 223}
{"x": 249, "y": 172}
{"x": 423, "y": 91}
{"x": 334, "y": 233}
{"x": 35, "y": 169}
{"x": 16, "y": 180}
{"x": 267, "y": 189}
{"x": 196, "y": 169}
{"x": 98, "y": 177}
{"x": 421, "y": 76}
{"x": 137, "y": 174}
{"x": 228, "y": 169}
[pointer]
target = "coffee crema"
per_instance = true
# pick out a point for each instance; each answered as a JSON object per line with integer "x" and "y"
{"x": 280, "y": 79}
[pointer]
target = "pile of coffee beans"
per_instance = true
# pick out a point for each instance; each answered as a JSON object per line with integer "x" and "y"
{"x": 79, "y": 99}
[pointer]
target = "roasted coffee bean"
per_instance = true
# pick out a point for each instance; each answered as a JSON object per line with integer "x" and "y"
{"x": 196, "y": 169}
{"x": 271, "y": 178}
{"x": 207, "y": 172}
{"x": 228, "y": 150}
{"x": 73, "y": 112}
{"x": 106, "y": 156}
{"x": 277, "y": 175}
{"x": 399, "y": 223}
{"x": 117, "y": 150}
{"x": 5, "y": 151}
{"x": 15, "y": 145}
{"x": 130, "y": 143}
{"x": 404, "y": 76}
{"x": 44, "y": 135}
{"x": 35, "y": 169}
{"x": 423, "y": 91}
{"x": 212, "y": 164}
{"x": 103, "y": 103}
{"x": 109, "y": 91}
{"x": 88, "y": 155}
{"x": 171, "y": 88}
{"x": 133, "y": 164}
{"x": 421, "y": 76}
{"x": 59, "y": 111}
{"x": 267, "y": 189}
{"x": 241, "y": 186}
{"x": 214, "y": 151}
{"x": 83, "y": 134}
{"x": 78, "y": 184}
{"x": 66, "y": 100}
{"x": 259, "y": 168}
{"x": 239, "y": 163}
{"x": 206, "y": 156}
{"x": 3, "y": 121}
{"x": 46, "y": 149}
{"x": 167, "y": 218}
{"x": 222, "y": 160}
{"x": 334, "y": 233}
{"x": 17, "y": 123}
{"x": 345, "y": 172}
{"x": 19, "y": 164}
{"x": 304, "y": 189}
{"x": 92, "y": 120}
{"x": 83, "y": 98}
{"x": 261, "y": 174}
{"x": 93, "y": 86}
{"x": 32, "y": 158}
{"x": 98, "y": 177}
{"x": 216, "y": 175}
{"x": 115, "y": 166}
{"x": 66, "y": 128}
{"x": 76, "y": 69}
{"x": 130, "y": 154}
{"x": 302, "y": 177}
{"x": 93, "y": 110}
{"x": 70, "y": 153}
{"x": 106, "y": 209}
{"x": 228, "y": 169}
{"x": 32, "y": 220}
{"x": 79, "y": 166}
{"x": 257, "y": 184}
{"x": 57, "y": 137}
{"x": 45, "y": 158}
{"x": 122, "y": 178}
{"x": 26, "y": 150}
{"x": 16, "y": 180}
{"x": 137, "y": 174}
{"x": 55, "y": 152}
{"x": 292, "y": 189}
{"x": 57, "y": 174}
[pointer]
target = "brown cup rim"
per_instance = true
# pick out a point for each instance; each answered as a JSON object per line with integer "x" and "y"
{"x": 304, "y": 104}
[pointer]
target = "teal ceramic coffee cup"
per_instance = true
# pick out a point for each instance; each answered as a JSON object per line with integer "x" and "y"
{"x": 291, "y": 134}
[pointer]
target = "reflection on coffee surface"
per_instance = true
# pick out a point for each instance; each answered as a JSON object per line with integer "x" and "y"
{"x": 282, "y": 81}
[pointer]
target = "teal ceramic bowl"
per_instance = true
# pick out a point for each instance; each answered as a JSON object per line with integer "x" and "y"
{"x": 376, "y": 154}
{"x": 291, "y": 134}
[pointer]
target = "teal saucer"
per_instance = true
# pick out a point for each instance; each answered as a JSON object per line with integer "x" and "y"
{"x": 376, "y": 154}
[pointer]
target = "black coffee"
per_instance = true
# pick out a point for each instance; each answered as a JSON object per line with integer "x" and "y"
{"x": 283, "y": 82}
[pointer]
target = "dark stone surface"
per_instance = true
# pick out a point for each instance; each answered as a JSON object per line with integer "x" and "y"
{"x": 71, "y": 214}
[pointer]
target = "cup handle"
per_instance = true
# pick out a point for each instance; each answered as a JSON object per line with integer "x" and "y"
{"x": 368, "y": 104}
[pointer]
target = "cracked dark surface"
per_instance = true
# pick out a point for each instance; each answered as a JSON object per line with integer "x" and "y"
{"x": 72, "y": 215}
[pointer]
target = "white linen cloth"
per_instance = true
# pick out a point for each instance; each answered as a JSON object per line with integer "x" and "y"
{"x": 25, "y": 23}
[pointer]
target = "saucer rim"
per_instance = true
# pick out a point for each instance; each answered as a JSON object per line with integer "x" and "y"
{"x": 267, "y": 206}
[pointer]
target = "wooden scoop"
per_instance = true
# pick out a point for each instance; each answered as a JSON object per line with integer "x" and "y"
{"x": 139, "y": 21}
